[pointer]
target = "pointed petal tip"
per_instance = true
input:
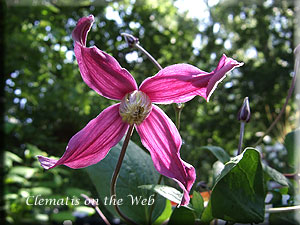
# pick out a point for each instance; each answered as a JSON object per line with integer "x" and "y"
{"x": 93, "y": 142}
{"x": 82, "y": 28}
{"x": 103, "y": 73}
{"x": 225, "y": 65}
{"x": 46, "y": 163}
{"x": 99, "y": 70}
{"x": 191, "y": 177}
{"x": 160, "y": 136}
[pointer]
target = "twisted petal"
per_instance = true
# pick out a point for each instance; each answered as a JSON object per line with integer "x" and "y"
{"x": 182, "y": 82}
{"x": 99, "y": 70}
{"x": 160, "y": 136}
{"x": 224, "y": 66}
{"x": 93, "y": 142}
{"x": 82, "y": 28}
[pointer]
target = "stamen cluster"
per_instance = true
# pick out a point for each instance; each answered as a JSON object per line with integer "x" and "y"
{"x": 135, "y": 107}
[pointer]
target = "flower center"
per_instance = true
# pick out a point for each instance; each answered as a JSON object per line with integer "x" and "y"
{"x": 135, "y": 107}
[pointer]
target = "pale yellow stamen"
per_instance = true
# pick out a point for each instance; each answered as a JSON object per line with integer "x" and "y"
{"x": 135, "y": 107}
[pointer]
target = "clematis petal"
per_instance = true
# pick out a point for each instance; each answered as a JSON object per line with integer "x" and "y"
{"x": 182, "y": 82}
{"x": 224, "y": 66}
{"x": 99, "y": 70}
{"x": 93, "y": 142}
{"x": 82, "y": 28}
{"x": 161, "y": 137}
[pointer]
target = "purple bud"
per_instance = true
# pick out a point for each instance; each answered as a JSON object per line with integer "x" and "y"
{"x": 130, "y": 39}
{"x": 244, "y": 113}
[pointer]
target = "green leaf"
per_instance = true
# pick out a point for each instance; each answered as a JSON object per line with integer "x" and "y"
{"x": 10, "y": 157}
{"x": 43, "y": 191}
{"x": 14, "y": 178}
{"x": 239, "y": 195}
{"x": 23, "y": 171}
{"x": 85, "y": 210}
{"x": 198, "y": 204}
{"x": 42, "y": 217}
{"x": 206, "y": 216}
{"x": 292, "y": 147}
{"x": 182, "y": 215}
{"x": 218, "y": 152}
{"x": 62, "y": 216}
{"x": 217, "y": 168}
{"x": 165, "y": 215}
{"x": 32, "y": 151}
{"x": 286, "y": 218}
{"x": 275, "y": 175}
{"x": 137, "y": 169}
{"x": 166, "y": 191}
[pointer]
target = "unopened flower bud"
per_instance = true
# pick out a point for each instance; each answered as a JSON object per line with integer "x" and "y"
{"x": 130, "y": 39}
{"x": 244, "y": 113}
{"x": 135, "y": 107}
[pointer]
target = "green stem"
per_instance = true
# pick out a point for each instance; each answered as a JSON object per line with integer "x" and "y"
{"x": 134, "y": 42}
{"x": 149, "y": 56}
{"x": 92, "y": 203}
{"x": 154, "y": 197}
{"x": 178, "y": 109}
{"x": 158, "y": 66}
{"x": 242, "y": 131}
{"x": 116, "y": 174}
{"x": 283, "y": 209}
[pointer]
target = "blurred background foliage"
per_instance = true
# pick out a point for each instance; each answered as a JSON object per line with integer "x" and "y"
{"x": 46, "y": 101}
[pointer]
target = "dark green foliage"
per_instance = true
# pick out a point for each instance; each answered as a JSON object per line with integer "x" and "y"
{"x": 137, "y": 169}
{"x": 27, "y": 186}
{"x": 182, "y": 216}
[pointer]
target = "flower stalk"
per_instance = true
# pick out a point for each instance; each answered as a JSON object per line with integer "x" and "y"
{"x": 242, "y": 131}
{"x": 154, "y": 197}
{"x": 178, "y": 109}
{"x": 92, "y": 203}
{"x": 244, "y": 116}
{"x": 116, "y": 175}
{"x": 134, "y": 42}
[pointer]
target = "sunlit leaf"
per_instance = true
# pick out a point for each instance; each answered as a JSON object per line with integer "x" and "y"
{"x": 239, "y": 195}
{"x": 275, "y": 175}
{"x": 168, "y": 192}
{"x": 218, "y": 152}
{"x": 165, "y": 214}
{"x": 292, "y": 147}
{"x": 197, "y": 204}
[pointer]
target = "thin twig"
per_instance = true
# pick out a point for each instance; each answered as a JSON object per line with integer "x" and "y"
{"x": 284, "y": 106}
{"x": 92, "y": 203}
{"x": 133, "y": 41}
{"x": 116, "y": 174}
{"x": 149, "y": 56}
{"x": 283, "y": 209}
{"x": 242, "y": 130}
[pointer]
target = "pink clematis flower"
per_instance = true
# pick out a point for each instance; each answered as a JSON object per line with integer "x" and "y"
{"x": 177, "y": 83}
